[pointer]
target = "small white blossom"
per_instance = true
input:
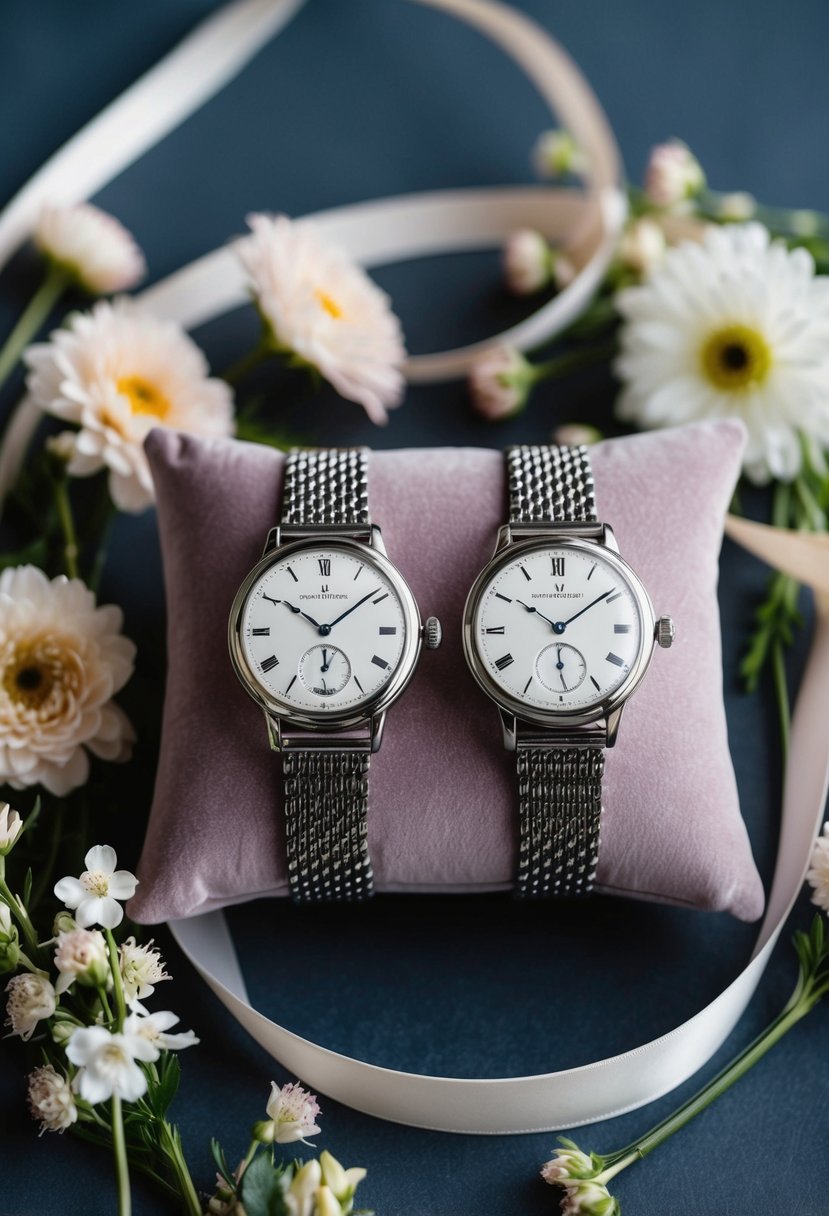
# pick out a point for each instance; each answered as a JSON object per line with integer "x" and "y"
{"x": 31, "y": 999}
{"x": 9, "y": 941}
{"x": 50, "y": 1100}
{"x": 153, "y": 1028}
{"x": 818, "y": 873}
{"x": 107, "y": 1063}
{"x": 588, "y": 1199}
{"x": 141, "y": 969}
{"x": 642, "y": 246}
{"x": 528, "y": 262}
{"x": 11, "y": 825}
{"x": 673, "y": 175}
{"x": 556, "y": 154}
{"x": 93, "y": 897}
{"x": 326, "y": 1203}
{"x": 571, "y": 1165}
{"x": 319, "y": 306}
{"x": 343, "y": 1183}
{"x": 737, "y": 207}
{"x": 82, "y": 955}
{"x": 500, "y": 381}
{"x": 92, "y": 247}
{"x": 292, "y": 1113}
{"x": 301, "y": 1194}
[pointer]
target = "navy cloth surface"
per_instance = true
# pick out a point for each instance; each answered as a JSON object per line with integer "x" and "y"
{"x": 361, "y": 100}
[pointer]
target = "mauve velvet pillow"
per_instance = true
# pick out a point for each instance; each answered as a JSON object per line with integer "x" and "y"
{"x": 442, "y": 789}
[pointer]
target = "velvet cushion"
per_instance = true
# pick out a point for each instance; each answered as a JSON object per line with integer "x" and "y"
{"x": 442, "y": 789}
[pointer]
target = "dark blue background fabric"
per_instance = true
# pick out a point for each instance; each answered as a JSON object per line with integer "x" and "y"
{"x": 356, "y": 101}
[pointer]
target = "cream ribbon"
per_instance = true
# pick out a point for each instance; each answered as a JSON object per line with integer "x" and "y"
{"x": 381, "y": 231}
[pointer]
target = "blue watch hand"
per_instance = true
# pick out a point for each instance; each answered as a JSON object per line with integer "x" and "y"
{"x": 299, "y": 612}
{"x": 530, "y": 608}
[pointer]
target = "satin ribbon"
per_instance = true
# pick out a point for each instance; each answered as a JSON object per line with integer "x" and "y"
{"x": 588, "y": 223}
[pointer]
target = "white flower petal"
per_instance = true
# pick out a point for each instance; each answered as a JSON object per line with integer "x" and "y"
{"x": 70, "y": 892}
{"x": 101, "y": 858}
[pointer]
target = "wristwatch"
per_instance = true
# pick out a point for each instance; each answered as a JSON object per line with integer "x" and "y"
{"x": 325, "y": 634}
{"x": 558, "y": 631}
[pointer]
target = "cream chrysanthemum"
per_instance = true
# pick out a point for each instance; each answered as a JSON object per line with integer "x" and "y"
{"x": 117, "y": 372}
{"x": 818, "y": 874}
{"x": 324, "y": 310}
{"x": 92, "y": 247}
{"x": 734, "y": 325}
{"x": 62, "y": 659}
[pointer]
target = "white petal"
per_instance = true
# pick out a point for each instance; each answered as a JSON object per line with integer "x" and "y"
{"x": 101, "y": 858}
{"x": 70, "y": 892}
{"x": 122, "y": 884}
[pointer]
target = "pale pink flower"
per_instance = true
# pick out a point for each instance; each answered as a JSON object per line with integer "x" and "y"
{"x": 91, "y": 246}
{"x": 50, "y": 1100}
{"x": 141, "y": 969}
{"x": 94, "y": 896}
{"x": 588, "y": 1199}
{"x": 31, "y": 999}
{"x": 62, "y": 659}
{"x": 292, "y": 1111}
{"x": 117, "y": 372}
{"x": 107, "y": 1063}
{"x": 818, "y": 873}
{"x": 81, "y": 954}
{"x": 500, "y": 382}
{"x": 322, "y": 309}
{"x": 673, "y": 175}
{"x": 528, "y": 262}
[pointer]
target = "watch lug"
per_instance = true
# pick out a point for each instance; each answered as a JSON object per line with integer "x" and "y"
{"x": 609, "y": 538}
{"x": 509, "y": 726}
{"x": 503, "y": 538}
{"x": 376, "y": 540}
{"x": 378, "y": 723}
{"x": 274, "y": 732}
{"x": 273, "y": 540}
{"x": 613, "y": 720}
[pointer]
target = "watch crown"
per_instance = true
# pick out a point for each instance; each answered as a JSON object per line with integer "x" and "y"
{"x": 665, "y": 631}
{"x": 432, "y": 633}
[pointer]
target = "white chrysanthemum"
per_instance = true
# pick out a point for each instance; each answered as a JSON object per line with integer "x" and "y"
{"x": 319, "y": 306}
{"x": 62, "y": 659}
{"x": 92, "y": 247}
{"x": 50, "y": 1100}
{"x": 733, "y": 326}
{"x": 818, "y": 874}
{"x": 117, "y": 372}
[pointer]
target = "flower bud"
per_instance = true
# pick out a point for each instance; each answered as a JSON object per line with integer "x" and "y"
{"x": 556, "y": 154}
{"x": 500, "y": 382}
{"x": 576, "y": 434}
{"x": 528, "y": 262}
{"x": 11, "y": 825}
{"x": 264, "y": 1131}
{"x": 589, "y": 1199}
{"x": 327, "y": 1203}
{"x": 62, "y": 1032}
{"x": 63, "y": 923}
{"x": 9, "y": 942}
{"x": 737, "y": 207}
{"x": 673, "y": 175}
{"x": 82, "y": 955}
{"x": 642, "y": 246}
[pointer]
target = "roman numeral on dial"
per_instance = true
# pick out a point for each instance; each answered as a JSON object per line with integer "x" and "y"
{"x": 504, "y": 661}
{"x": 379, "y": 662}
{"x": 269, "y": 663}
{"x": 325, "y": 566}
{"x": 558, "y": 567}
{"x": 262, "y": 633}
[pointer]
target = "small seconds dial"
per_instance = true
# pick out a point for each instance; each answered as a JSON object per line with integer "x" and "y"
{"x": 558, "y": 628}
{"x": 323, "y": 629}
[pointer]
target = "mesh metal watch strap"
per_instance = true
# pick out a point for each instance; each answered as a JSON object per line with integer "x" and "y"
{"x": 559, "y": 787}
{"x": 326, "y": 800}
{"x": 326, "y": 792}
{"x": 329, "y": 486}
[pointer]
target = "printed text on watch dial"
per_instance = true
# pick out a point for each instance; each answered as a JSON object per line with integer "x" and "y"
{"x": 323, "y": 629}
{"x": 559, "y": 628}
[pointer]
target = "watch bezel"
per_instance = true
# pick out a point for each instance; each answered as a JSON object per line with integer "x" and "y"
{"x": 514, "y": 705}
{"x": 354, "y": 715}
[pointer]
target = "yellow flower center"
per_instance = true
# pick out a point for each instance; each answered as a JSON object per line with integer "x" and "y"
{"x": 95, "y": 882}
{"x": 735, "y": 358}
{"x": 328, "y": 304}
{"x": 35, "y": 669}
{"x": 144, "y": 398}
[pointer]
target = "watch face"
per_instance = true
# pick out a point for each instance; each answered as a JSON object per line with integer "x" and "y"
{"x": 322, "y": 630}
{"x": 559, "y": 628}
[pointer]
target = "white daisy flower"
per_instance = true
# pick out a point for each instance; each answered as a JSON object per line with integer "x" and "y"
{"x": 818, "y": 874}
{"x": 322, "y": 309}
{"x": 736, "y": 325}
{"x": 50, "y": 1100}
{"x": 106, "y": 1063}
{"x": 31, "y": 999}
{"x": 117, "y": 372}
{"x": 94, "y": 896}
{"x": 62, "y": 658}
{"x": 154, "y": 1028}
{"x": 92, "y": 247}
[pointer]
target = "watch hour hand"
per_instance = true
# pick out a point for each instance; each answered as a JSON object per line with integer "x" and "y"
{"x": 299, "y": 612}
{"x": 530, "y": 608}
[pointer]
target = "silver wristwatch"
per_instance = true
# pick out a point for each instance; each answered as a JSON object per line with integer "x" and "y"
{"x": 325, "y": 634}
{"x": 558, "y": 631}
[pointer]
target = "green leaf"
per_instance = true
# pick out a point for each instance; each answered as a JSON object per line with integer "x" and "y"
{"x": 222, "y": 1166}
{"x": 160, "y": 1093}
{"x": 27, "y": 887}
{"x": 261, "y": 1189}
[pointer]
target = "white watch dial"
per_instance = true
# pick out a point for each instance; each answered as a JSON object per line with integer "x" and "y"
{"x": 323, "y": 630}
{"x": 559, "y": 629}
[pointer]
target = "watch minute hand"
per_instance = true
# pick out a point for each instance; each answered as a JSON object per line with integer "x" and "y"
{"x": 597, "y": 600}
{"x": 342, "y": 615}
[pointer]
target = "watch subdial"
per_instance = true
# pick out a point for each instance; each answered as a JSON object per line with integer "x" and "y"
{"x": 560, "y": 667}
{"x": 324, "y": 670}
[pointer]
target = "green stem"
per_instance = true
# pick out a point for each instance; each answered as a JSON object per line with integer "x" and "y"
{"x": 102, "y": 996}
{"x": 22, "y": 917}
{"x": 573, "y": 361}
{"x": 171, "y": 1143}
{"x": 242, "y": 367}
{"x": 118, "y": 987}
{"x": 121, "y": 1166}
{"x": 781, "y": 693}
{"x": 794, "y": 1011}
{"x": 31, "y": 319}
{"x": 67, "y": 526}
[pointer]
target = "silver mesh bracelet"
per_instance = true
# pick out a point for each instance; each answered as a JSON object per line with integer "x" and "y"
{"x": 326, "y": 791}
{"x": 559, "y": 787}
